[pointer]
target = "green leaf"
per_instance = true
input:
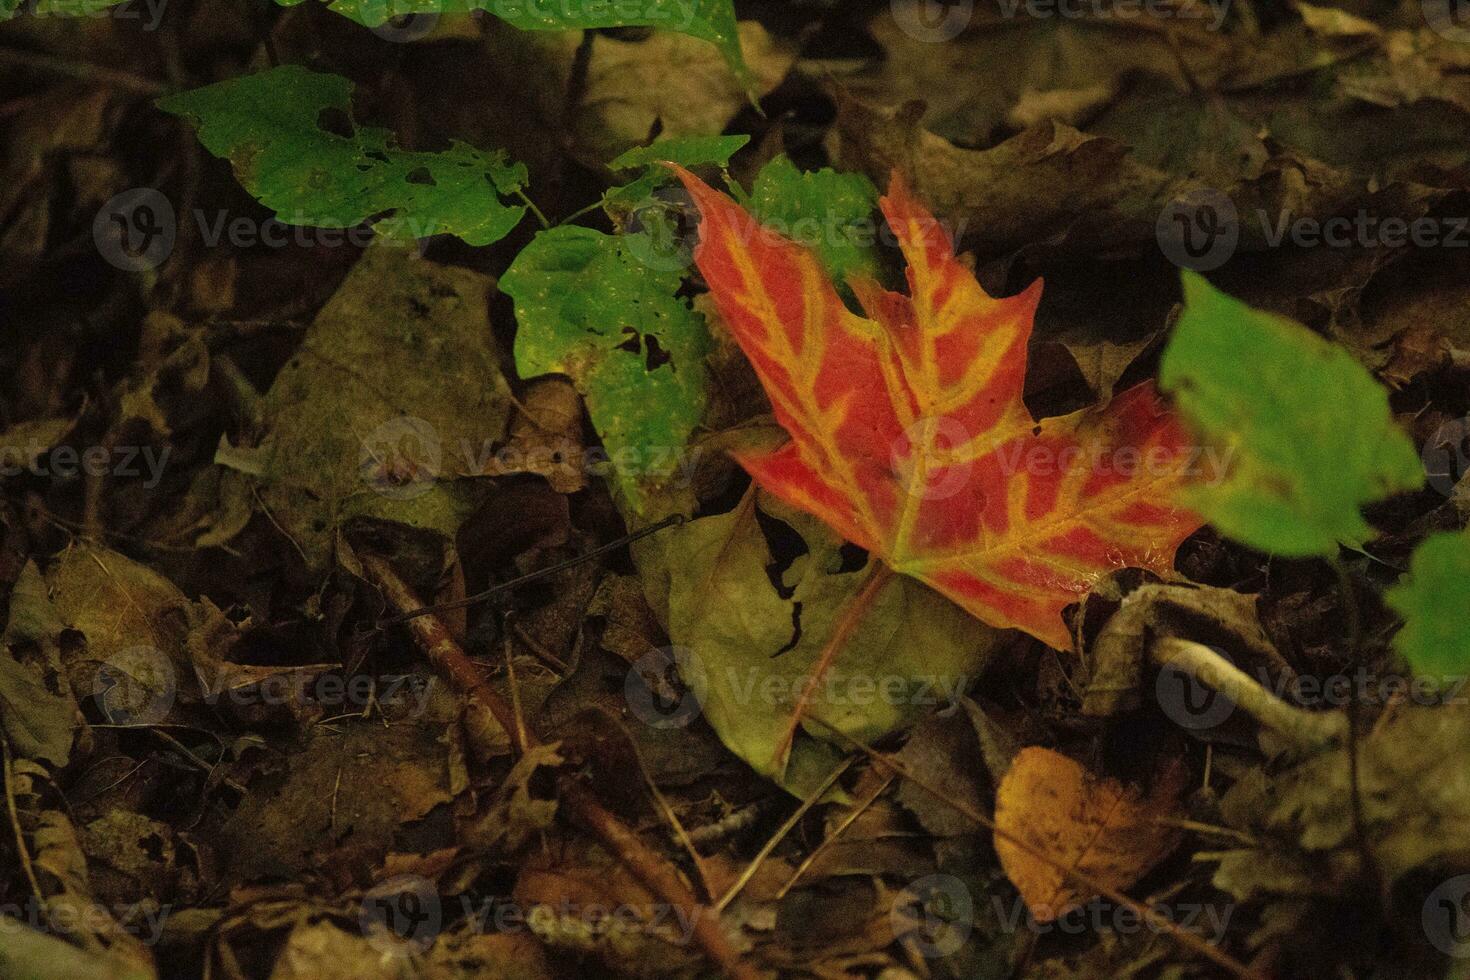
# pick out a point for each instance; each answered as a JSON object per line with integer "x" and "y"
{"x": 829, "y": 211}
{"x": 752, "y": 643}
{"x": 1435, "y": 605}
{"x": 57, "y": 8}
{"x": 269, "y": 126}
{"x": 687, "y": 151}
{"x": 1303, "y": 430}
{"x": 604, "y": 310}
{"x": 709, "y": 20}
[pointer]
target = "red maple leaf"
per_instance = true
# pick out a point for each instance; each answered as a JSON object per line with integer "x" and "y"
{"x": 908, "y": 434}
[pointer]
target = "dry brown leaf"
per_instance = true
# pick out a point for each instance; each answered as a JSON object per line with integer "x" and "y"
{"x": 1097, "y": 827}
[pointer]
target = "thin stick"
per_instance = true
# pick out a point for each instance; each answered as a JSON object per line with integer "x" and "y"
{"x": 1185, "y": 938}
{"x": 562, "y": 566}
{"x": 649, "y": 867}
{"x": 837, "y": 832}
{"x": 780, "y": 835}
{"x": 851, "y": 617}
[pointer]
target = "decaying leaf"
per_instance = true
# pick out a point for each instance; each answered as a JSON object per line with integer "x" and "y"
{"x": 394, "y": 393}
{"x": 909, "y": 435}
{"x": 1098, "y": 827}
{"x": 747, "y": 645}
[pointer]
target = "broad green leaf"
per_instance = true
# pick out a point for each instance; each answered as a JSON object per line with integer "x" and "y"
{"x": 829, "y": 211}
{"x": 604, "y": 310}
{"x": 691, "y": 151}
{"x": 1303, "y": 430}
{"x": 709, "y": 20}
{"x": 687, "y": 151}
{"x": 269, "y": 126}
{"x": 1435, "y": 605}
{"x": 752, "y": 642}
{"x": 57, "y": 8}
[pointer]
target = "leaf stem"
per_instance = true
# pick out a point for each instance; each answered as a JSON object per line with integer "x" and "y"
{"x": 853, "y": 614}
{"x": 545, "y": 225}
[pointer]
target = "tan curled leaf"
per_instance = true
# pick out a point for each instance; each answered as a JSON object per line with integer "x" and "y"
{"x": 1097, "y": 827}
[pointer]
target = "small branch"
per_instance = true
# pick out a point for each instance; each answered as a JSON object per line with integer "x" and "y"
{"x": 1307, "y": 729}
{"x": 650, "y": 868}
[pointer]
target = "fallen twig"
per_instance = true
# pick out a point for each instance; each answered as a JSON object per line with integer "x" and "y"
{"x": 649, "y": 867}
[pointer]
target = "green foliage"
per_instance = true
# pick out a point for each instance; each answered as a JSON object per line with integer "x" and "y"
{"x": 1435, "y": 605}
{"x": 827, "y": 210}
{"x": 269, "y": 125}
{"x": 687, "y": 151}
{"x": 604, "y": 310}
{"x": 709, "y": 20}
{"x": 1306, "y": 432}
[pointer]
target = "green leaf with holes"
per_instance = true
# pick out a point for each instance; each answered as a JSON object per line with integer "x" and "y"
{"x": 829, "y": 211}
{"x": 605, "y": 311}
{"x": 1304, "y": 430}
{"x": 709, "y": 20}
{"x": 271, "y": 128}
{"x": 1435, "y": 603}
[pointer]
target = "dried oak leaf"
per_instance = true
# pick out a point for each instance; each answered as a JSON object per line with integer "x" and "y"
{"x": 909, "y": 435}
{"x": 1097, "y": 827}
